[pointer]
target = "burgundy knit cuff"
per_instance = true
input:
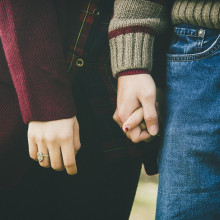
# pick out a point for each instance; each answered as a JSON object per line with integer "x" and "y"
{"x": 133, "y": 72}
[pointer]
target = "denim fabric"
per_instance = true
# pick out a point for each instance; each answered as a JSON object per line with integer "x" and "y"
{"x": 189, "y": 160}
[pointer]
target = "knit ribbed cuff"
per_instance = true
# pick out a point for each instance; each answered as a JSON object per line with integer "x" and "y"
{"x": 132, "y": 29}
{"x": 133, "y": 72}
{"x": 201, "y": 13}
{"x": 130, "y": 51}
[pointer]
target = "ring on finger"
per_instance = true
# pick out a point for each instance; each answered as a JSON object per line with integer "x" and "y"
{"x": 41, "y": 156}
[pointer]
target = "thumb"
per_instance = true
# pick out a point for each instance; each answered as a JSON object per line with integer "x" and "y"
{"x": 151, "y": 117}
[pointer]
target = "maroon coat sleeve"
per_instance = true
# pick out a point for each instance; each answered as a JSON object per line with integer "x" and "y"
{"x": 33, "y": 50}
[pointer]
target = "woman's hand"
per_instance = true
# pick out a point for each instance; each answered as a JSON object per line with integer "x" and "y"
{"x": 135, "y": 91}
{"x": 59, "y": 139}
{"x": 137, "y": 128}
{"x": 137, "y": 131}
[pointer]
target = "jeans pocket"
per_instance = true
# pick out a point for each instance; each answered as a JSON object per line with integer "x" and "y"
{"x": 193, "y": 43}
{"x": 186, "y": 41}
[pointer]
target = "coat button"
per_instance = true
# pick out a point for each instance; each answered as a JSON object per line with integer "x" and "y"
{"x": 96, "y": 12}
{"x": 80, "y": 62}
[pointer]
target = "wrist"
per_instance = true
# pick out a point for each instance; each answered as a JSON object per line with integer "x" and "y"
{"x": 133, "y": 72}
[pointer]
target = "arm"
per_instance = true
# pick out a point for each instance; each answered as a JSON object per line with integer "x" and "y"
{"x": 131, "y": 35}
{"x": 34, "y": 54}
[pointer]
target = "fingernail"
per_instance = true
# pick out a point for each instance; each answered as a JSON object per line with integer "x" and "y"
{"x": 126, "y": 128}
{"x": 153, "y": 129}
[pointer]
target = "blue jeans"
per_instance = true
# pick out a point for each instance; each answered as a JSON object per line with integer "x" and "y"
{"x": 189, "y": 160}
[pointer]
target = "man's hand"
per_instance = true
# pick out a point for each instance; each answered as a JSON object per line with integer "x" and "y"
{"x": 136, "y": 91}
{"x": 59, "y": 139}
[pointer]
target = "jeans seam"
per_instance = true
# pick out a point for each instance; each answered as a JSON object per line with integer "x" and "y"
{"x": 185, "y": 193}
{"x": 186, "y": 35}
{"x": 190, "y": 57}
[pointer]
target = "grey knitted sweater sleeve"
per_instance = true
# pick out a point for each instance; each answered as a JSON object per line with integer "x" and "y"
{"x": 132, "y": 29}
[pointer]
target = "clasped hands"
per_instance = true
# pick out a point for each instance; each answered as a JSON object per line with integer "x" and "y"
{"x": 137, "y": 107}
{"x": 59, "y": 141}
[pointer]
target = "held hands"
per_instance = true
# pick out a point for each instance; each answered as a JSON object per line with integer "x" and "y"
{"x": 136, "y": 104}
{"x": 59, "y": 139}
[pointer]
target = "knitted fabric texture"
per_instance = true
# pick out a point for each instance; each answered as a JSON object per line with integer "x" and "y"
{"x": 131, "y": 33}
{"x": 35, "y": 60}
{"x": 204, "y": 13}
{"x": 136, "y": 22}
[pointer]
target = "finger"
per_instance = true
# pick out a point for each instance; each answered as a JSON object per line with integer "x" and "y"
{"x": 116, "y": 118}
{"x": 143, "y": 126}
{"x": 43, "y": 149}
{"x": 150, "y": 117}
{"x": 137, "y": 135}
{"x": 56, "y": 161}
{"x": 134, "y": 120}
{"x": 33, "y": 149}
{"x": 69, "y": 158}
{"x": 76, "y": 137}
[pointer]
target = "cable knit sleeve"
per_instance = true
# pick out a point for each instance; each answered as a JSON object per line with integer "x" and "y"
{"x": 132, "y": 29}
{"x": 33, "y": 50}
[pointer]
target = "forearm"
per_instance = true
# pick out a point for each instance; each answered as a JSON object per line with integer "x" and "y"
{"x": 34, "y": 54}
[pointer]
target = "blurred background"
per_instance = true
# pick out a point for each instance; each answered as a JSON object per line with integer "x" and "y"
{"x": 145, "y": 201}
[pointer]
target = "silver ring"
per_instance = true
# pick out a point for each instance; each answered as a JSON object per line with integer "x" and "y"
{"x": 41, "y": 156}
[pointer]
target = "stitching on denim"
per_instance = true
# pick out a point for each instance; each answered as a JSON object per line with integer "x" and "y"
{"x": 199, "y": 56}
{"x": 185, "y": 193}
{"x": 188, "y": 32}
{"x": 189, "y": 35}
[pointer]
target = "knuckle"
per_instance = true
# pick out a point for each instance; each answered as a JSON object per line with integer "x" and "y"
{"x": 50, "y": 138}
{"x": 150, "y": 117}
{"x": 65, "y": 136}
{"x": 69, "y": 164}
{"x": 135, "y": 140}
{"x": 149, "y": 96}
{"x": 121, "y": 114}
{"x": 114, "y": 117}
{"x": 39, "y": 138}
{"x": 77, "y": 147}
